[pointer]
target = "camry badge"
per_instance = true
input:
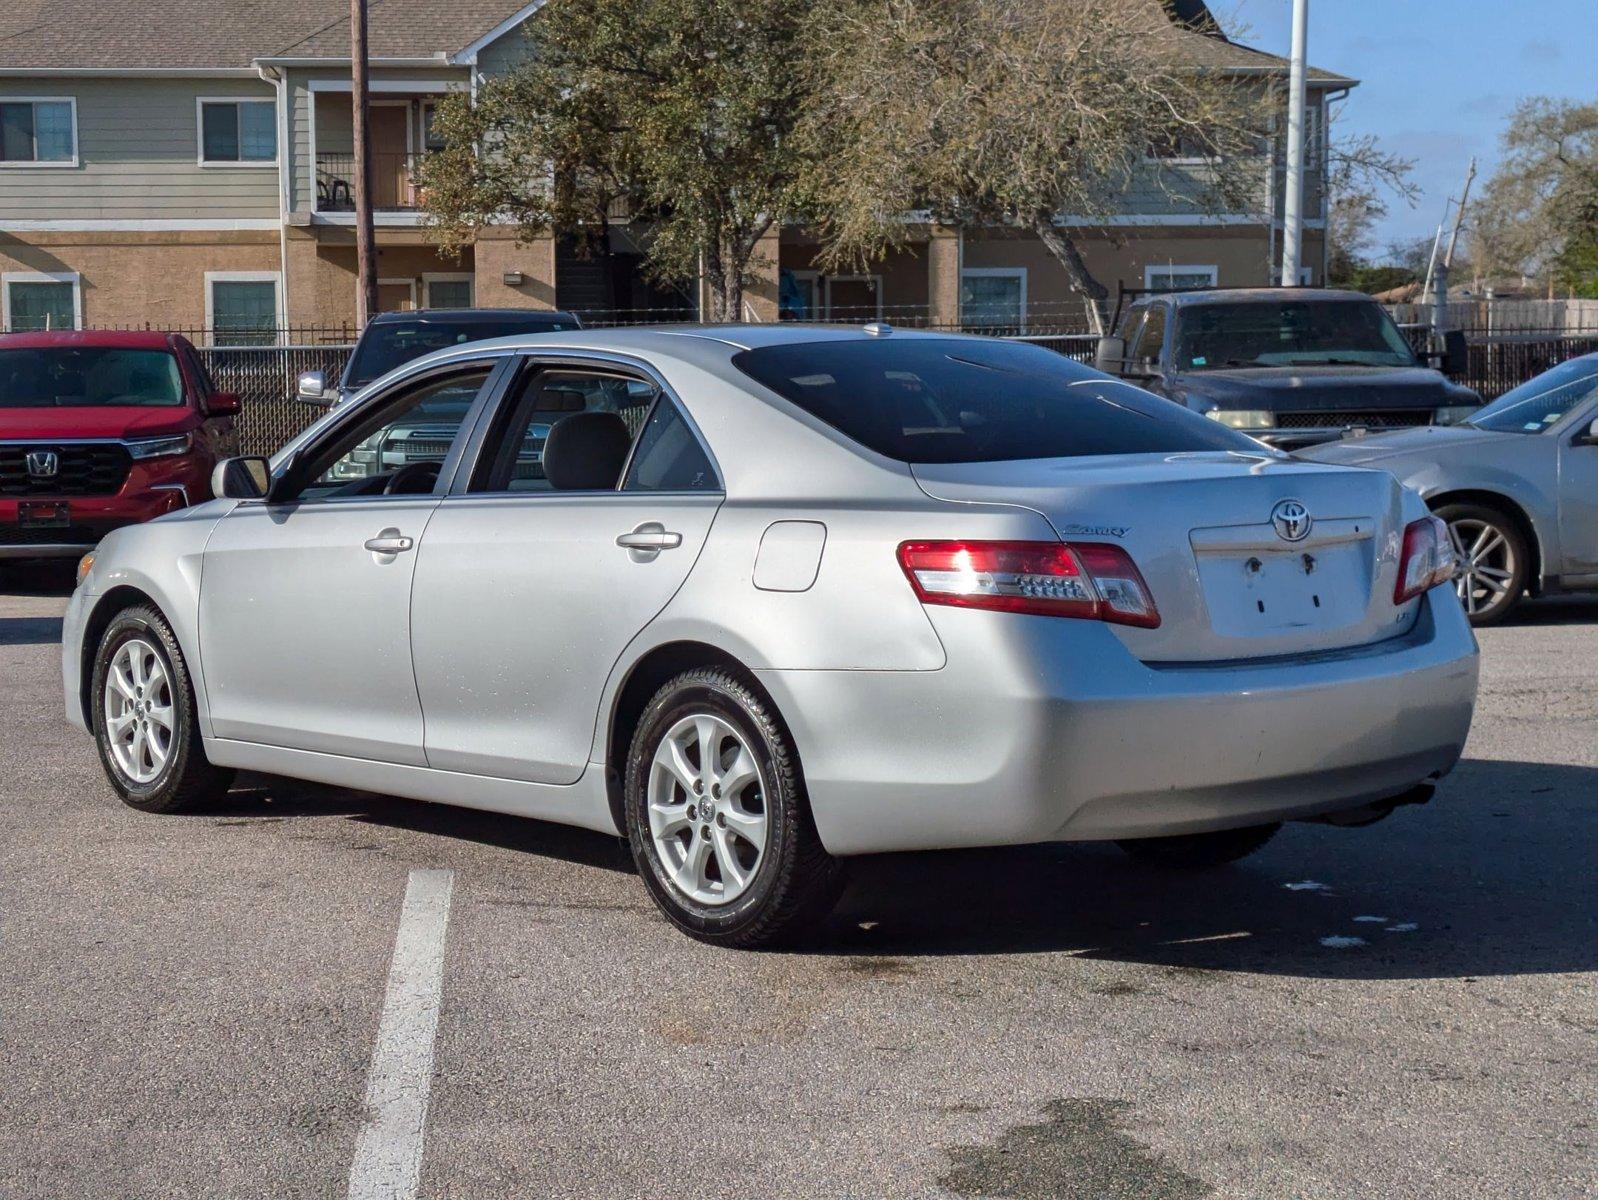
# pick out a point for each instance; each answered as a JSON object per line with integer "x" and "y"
{"x": 43, "y": 464}
{"x": 1292, "y": 520}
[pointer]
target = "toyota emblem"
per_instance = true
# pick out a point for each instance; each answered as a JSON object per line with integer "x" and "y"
{"x": 1292, "y": 520}
{"x": 43, "y": 464}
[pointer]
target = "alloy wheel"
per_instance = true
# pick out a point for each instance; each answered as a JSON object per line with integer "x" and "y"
{"x": 1487, "y": 564}
{"x": 707, "y": 809}
{"x": 139, "y": 720}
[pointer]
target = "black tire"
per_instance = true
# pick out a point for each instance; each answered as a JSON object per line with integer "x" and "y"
{"x": 1196, "y": 851}
{"x": 795, "y": 881}
{"x": 1519, "y": 553}
{"x": 187, "y": 778}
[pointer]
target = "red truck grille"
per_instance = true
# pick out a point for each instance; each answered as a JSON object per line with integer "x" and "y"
{"x": 80, "y": 468}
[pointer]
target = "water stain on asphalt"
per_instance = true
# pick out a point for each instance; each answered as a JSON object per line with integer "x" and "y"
{"x": 877, "y": 968}
{"x": 1076, "y": 1153}
{"x": 1119, "y": 989}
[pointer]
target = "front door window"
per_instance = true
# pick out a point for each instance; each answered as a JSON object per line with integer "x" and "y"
{"x": 399, "y": 451}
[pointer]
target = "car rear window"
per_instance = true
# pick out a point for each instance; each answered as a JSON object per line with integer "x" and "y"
{"x": 89, "y": 376}
{"x": 387, "y": 345}
{"x": 938, "y": 400}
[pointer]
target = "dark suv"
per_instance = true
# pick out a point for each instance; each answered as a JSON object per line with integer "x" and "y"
{"x": 422, "y": 440}
{"x": 102, "y": 429}
{"x": 1290, "y": 366}
{"x": 393, "y": 339}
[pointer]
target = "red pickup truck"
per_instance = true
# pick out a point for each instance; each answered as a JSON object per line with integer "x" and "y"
{"x": 101, "y": 429}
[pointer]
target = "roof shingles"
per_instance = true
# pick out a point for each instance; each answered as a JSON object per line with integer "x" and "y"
{"x": 197, "y": 34}
{"x": 201, "y": 34}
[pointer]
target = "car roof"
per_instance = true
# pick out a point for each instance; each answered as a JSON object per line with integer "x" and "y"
{"x": 108, "y": 339}
{"x": 1258, "y": 295}
{"x": 466, "y": 315}
{"x": 703, "y": 344}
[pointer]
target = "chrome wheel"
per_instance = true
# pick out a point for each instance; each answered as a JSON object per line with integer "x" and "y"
{"x": 707, "y": 809}
{"x": 139, "y": 721}
{"x": 1488, "y": 566}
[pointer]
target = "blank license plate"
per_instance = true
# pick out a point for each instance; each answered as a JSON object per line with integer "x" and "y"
{"x": 43, "y": 516}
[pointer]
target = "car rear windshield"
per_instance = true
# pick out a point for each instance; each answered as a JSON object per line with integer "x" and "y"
{"x": 938, "y": 400}
{"x": 1288, "y": 333}
{"x": 89, "y": 376}
{"x": 387, "y": 345}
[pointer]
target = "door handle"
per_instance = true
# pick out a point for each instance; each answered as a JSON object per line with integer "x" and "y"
{"x": 390, "y": 541}
{"x": 645, "y": 543}
{"x": 650, "y": 537}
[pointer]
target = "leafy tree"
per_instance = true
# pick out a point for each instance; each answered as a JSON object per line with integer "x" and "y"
{"x": 1013, "y": 113}
{"x": 684, "y": 109}
{"x": 1361, "y": 179}
{"x": 1538, "y": 215}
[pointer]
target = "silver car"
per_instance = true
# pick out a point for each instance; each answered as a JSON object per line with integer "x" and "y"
{"x": 1517, "y": 484}
{"x": 810, "y": 593}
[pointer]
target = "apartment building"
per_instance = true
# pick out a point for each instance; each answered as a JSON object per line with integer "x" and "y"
{"x": 188, "y": 165}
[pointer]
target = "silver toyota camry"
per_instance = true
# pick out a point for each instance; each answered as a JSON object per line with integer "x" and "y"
{"x": 764, "y": 598}
{"x": 1516, "y": 483}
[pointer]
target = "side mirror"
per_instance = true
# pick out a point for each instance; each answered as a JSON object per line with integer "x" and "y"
{"x": 241, "y": 478}
{"x": 1456, "y": 354}
{"x": 224, "y": 404}
{"x": 1110, "y": 356}
{"x": 1588, "y": 436}
{"x": 312, "y": 389}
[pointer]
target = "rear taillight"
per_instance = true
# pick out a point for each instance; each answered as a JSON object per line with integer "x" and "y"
{"x": 1052, "y": 579}
{"x": 1428, "y": 559}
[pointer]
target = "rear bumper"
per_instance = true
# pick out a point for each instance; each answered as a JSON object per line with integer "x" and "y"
{"x": 1051, "y": 731}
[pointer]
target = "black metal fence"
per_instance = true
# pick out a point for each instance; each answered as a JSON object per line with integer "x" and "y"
{"x": 265, "y": 375}
{"x": 1506, "y": 361}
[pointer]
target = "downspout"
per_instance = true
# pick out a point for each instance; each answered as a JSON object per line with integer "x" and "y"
{"x": 279, "y": 80}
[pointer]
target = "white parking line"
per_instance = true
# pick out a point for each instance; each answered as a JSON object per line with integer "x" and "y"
{"x": 388, "y": 1156}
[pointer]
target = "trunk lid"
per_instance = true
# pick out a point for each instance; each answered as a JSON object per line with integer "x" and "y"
{"x": 1200, "y": 527}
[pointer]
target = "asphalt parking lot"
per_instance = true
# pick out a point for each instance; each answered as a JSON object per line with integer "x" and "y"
{"x": 192, "y": 1006}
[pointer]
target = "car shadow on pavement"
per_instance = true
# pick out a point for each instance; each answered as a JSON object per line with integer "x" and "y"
{"x": 1494, "y": 877}
{"x": 263, "y": 799}
{"x": 1554, "y": 610}
{"x": 30, "y": 631}
{"x": 48, "y": 577}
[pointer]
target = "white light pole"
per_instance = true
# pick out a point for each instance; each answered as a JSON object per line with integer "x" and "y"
{"x": 1293, "y": 207}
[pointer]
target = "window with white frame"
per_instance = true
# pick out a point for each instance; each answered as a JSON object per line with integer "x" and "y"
{"x": 38, "y": 131}
{"x": 1176, "y": 277}
{"x": 238, "y": 131}
{"x": 447, "y": 291}
{"x": 993, "y": 297}
{"x": 34, "y": 301}
{"x": 241, "y": 307}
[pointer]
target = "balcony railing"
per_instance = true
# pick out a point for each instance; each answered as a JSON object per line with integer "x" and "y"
{"x": 393, "y": 182}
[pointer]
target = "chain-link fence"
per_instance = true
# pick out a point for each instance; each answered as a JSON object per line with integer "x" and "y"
{"x": 264, "y": 378}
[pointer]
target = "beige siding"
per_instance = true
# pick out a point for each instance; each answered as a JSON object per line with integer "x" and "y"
{"x": 138, "y": 152}
{"x": 150, "y": 280}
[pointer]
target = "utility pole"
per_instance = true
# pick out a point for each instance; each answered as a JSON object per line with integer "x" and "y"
{"x": 1293, "y": 209}
{"x": 1459, "y": 217}
{"x": 365, "y": 251}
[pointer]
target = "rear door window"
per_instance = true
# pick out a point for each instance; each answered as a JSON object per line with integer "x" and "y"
{"x": 668, "y": 457}
{"x": 944, "y": 400}
{"x": 512, "y": 459}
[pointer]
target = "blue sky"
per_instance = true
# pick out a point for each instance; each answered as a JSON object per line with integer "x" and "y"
{"x": 1438, "y": 77}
